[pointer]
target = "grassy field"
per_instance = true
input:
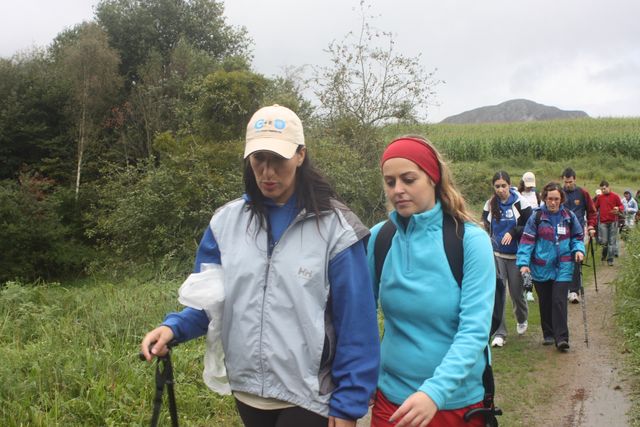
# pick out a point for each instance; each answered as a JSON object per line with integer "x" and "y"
{"x": 69, "y": 357}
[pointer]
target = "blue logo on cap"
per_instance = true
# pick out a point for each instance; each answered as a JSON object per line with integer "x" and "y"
{"x": 259, "y": 124}
{"x": 279, "y": 124}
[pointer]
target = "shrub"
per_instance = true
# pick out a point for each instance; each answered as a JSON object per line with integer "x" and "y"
{"x": 37, "y": 242}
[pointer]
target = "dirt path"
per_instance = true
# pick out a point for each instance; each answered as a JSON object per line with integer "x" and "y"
{"x": 592, "y": 391}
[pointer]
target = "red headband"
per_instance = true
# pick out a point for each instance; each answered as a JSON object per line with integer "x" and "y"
{"x": 418, "y": 152}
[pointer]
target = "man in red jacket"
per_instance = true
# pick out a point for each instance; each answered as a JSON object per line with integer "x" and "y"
{"x": 609, "y": 207}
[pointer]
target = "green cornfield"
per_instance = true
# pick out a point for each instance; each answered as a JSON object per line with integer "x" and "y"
{"x": 542, "y": 140}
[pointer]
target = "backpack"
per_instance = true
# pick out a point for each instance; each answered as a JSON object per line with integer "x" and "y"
{"x": 453, "y": 247}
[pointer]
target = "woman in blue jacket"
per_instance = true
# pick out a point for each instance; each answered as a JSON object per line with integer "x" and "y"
{"x": 551, "y": 242}
{"x": 299, "y": 327}
{"x": 504, "y": 217}
{"x": 435, "y": 331}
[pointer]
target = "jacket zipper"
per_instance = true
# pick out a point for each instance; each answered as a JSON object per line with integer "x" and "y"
{"x": 271, "y": 247}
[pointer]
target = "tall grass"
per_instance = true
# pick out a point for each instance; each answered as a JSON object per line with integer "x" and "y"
{"x": 627, "y": 300}
{"x": 69, "y": 357}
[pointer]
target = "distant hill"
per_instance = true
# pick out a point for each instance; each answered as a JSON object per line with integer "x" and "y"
{"x": 515, "y": 110}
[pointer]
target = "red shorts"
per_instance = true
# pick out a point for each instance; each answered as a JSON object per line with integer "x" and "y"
{"x": 383, "y": 409}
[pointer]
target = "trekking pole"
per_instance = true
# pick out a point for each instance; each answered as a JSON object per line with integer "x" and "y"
{"x": 164, "y": 376}
{"x": 583, "y": 305}
{"x": 593, "y": 261}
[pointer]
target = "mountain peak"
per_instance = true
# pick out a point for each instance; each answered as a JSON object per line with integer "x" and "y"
{"x": 514, "y": 110}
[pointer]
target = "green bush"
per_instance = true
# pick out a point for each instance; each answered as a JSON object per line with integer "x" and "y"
{"x": 152, "y": 215}
{"x": 37, "y": 240}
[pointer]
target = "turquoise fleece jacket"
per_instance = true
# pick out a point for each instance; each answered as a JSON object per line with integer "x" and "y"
{"x": 435, "y": 332}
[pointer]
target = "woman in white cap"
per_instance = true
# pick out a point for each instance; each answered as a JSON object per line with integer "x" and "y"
{"x": 527, "y": 189}
{"x": 299, "y": 328}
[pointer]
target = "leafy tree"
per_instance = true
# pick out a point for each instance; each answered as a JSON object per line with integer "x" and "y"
{"x": 137, "y": 28}
{"x": 369, "y": 83}
{"x": 90, "y": 67}
{"x": 33, "y": 126}
{"x": 227, "y": 99}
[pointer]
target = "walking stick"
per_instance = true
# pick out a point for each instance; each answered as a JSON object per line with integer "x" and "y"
{"x": 164, "y": 377}
{"x": 593, "y": 261}
{"x": 583, "y": 304}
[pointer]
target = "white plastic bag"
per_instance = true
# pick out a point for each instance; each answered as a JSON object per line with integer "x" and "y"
{"x": 205, "y": 291}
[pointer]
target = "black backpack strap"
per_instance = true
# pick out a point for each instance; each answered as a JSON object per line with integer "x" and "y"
{"x": 453, "y": 248}
{"x": 382, "y": 244}
{"x": 537, "y": 220}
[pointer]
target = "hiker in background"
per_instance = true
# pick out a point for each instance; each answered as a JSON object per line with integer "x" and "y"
{"x": 630, "y": 209}
{"x": 527, "y": 189}
{"x": 580, "y": 203}
{"x": 595, "y": 196}
{"x": 504, "y": 216}
{"x": 551, "y": 242}
{"x": 431, "y": 359}
{"x": 299, "y": 333}
{"x": 609, "y": 207}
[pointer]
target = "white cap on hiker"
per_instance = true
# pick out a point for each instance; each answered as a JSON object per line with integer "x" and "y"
{"x": 276, "y": 129}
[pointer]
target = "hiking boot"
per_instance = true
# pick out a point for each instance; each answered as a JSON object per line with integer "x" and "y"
{"x": 563, "y": 346}
{"x": 574, "y": 298}
{"x": 521, "y": 328}
{"x": 498, "y": 342}
{"x": 530, "y": 296}
{"x": 548, "y": 341}
{"x": 610, "y": 263}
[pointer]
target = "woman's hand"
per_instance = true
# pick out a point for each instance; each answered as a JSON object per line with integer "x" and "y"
{"x": 524, "y": 269}
{"x": 339, "y": 422}
{"x": 416, "y": 411}
{"x": 159, "y": 337}
{"x": 579, "y": 256}
{"x": 506, "y": 239}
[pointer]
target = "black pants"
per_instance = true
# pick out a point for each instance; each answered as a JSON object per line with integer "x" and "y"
{"x": 575, "y": 279}
{"x": 552, "y": 300}
{"x": 288, "y": 417}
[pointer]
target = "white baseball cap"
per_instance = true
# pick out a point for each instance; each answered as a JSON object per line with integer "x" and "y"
{"x": 276, "y": 129}
{"x": 529, "y": 179}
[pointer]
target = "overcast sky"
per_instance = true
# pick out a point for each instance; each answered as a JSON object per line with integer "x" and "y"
{"x": 572, "y": 54}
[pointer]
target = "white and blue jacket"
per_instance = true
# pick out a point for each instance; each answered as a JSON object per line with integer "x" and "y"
{"x": 299, "y": 321}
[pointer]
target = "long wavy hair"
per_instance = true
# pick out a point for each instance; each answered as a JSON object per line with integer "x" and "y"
{"x": 494, "y": 204}
{"x": 446, "y": 191}
{"x": 313, "y": 191}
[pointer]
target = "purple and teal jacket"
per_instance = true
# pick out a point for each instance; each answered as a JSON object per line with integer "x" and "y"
{"x": 549, "y": 243}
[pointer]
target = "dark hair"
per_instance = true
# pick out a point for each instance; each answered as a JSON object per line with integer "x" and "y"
{"x": 494, "y": 203}
{"x": 521, "y": 186}
{"x": 604, "y": 183}
{"x": 569, "y": 173}
{"x": 313, "y": 191}
{"x": 554, "y": 186}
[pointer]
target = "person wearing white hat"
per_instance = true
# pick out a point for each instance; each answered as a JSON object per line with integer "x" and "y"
{"x": 299, "y": 329}
{"x": 527, "y": 189}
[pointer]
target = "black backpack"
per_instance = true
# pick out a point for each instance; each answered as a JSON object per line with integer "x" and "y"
{"x": 453, "y": 247}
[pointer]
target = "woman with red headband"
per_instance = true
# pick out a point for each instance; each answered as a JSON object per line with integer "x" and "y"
{"x": 435, "y": 330}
